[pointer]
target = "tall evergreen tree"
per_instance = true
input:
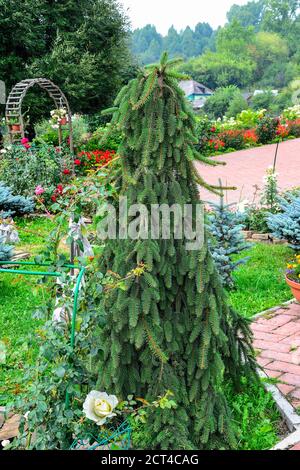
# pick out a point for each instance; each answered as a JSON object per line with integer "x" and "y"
{"x": 171, "y": 328}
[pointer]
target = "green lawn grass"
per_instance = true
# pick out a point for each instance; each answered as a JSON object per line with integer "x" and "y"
{"x": 18, "y": 302}
{"x": 260, "y": 283}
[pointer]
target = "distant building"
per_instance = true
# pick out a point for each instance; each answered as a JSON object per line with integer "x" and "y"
{"x": 195, "y": 92}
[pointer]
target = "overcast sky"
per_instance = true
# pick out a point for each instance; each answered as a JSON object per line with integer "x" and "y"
{"x": 180, "y": 13}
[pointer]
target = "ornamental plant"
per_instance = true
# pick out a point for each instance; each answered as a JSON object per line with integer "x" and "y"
{"x": 24, "y": 169}
{"x": 170, "y": 329}
{"x": 58, "y": 117}
{"x": 293, "y": 269}
{"x": 11, "y": 205}
{"x": 269, "y": 197}
{"x": 227, "y": 239}
{"x": 93, "y": 160}
{"x": 286, "y": 224}
{"x": 233, "y": 139}
{"x": 266, "y": 129}
{"x": 6, "y": 251}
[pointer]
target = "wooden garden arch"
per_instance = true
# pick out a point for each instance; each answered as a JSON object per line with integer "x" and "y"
{"x": 14, "y": 106}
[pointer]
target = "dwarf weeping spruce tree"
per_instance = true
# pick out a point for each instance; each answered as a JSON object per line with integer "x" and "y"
{"x": 170, "y": 328}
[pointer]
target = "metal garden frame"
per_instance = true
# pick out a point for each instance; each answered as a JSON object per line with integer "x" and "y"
{"x": 25, "y": 272}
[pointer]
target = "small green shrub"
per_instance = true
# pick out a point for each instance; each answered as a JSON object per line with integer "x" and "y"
{"x": 256, "y": 220}
{"x": 110, "y": 137}
{"x": 23, "y": 170}
{"x": 266, "y": 129}
{"x": 255, "y": 415}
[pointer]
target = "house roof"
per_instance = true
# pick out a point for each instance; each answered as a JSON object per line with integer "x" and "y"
{"x": 191, "y": 87}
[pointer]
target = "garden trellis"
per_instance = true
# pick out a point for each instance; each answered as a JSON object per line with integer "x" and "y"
{"x": 14, "y": 107}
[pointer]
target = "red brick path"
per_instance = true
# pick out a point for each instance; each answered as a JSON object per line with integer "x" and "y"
{"x": 277, "y": 340}
{"x": 247, "y": 168}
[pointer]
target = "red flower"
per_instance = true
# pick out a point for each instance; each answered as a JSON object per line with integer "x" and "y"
{"x": 213, "y": 129}
{"x": 77, "y": 161}
{"x": 53, "y": 198}
{"x": 66, "y": 171}
{"x": 59, "y": 188}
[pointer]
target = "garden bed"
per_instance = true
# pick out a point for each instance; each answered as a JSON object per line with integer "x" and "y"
{"x": 260, "y": 285}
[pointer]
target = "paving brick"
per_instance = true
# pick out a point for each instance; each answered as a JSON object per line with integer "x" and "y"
{"x": 284, "y": 367}
{"x": 285, "y": 389}
{"x": 291, "y": 379}
{"x": 276, "y": 321}
{"x": 294, "y": 309}
{"x": 245, "y": 169}
{"x": 296, "y": 394}
{"x": 292, "y": 358}
{"x": 268, "y": 336}
{"x": 263, "y": 328}
{"x": 296, "y": 404}
{"x": 264, "y": 361}
{"x": 289, "y": 329}
{"x": 280, "y": 347}
{"x": 274, "y": 374}
{"x": 296, "y": 447}
{"x": 292, "y": 341}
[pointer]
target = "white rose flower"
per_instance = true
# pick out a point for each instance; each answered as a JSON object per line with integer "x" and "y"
{"x": 2, "y": 151}
{"x": 5, "y": 443}
{"x": 99, "y": 406}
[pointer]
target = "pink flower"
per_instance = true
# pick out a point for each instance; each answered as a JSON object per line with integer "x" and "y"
{"x": 24, "y": 140}
{"x": 39, "y": 190}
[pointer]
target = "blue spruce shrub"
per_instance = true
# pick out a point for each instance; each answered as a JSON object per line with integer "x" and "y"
{"x": 11, "y": 205}
{"x": 6, "y": 251}
{"x": 227, "y": 239}
{"x": 286, "y": 224}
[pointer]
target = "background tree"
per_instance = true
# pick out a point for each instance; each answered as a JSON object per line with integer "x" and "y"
{"x": 247, "y": 15}
{"x": 171, "y": 328}
{"x": 79, "y": 44}
{"x": 217, "y": 105}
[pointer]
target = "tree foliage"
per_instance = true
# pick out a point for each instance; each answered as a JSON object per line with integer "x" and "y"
{"x": 171, "y": 328}
{"x": 226, "y": 228}
{"x": 148, "y": 44}
{"x": 79, "y": 44}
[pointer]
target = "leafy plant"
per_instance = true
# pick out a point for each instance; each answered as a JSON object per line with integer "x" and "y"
{"x": 169, "y": 329}
{"x": 11, "y": 205}
{"x": 256, "y": 220}
{"x": 286, "y": 224}
{"x": 269, "y": 197}
{"x": 24, "y": 169}
{"x": 266, "y": 129}
{"x": 226, "y": 227}
{"x": 293, "y": 269}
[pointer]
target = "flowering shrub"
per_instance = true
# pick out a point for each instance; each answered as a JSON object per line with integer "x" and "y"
{"x": 249, "y": 118}
{"x": 294, "y": 128}
{"x": 58, "y": 117}
{"x": 93, "y": 160}
{"x": 233, "y": 139}
{"x": 292, "y": 113}
{"x": 248, "y": 129}
{"x": 250, "y": 137}
{"x": 282, "y": 131}
{"x": 293, "y": 269}
{"x": 24, "y": 169}
{"x": 266, "y": 129}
